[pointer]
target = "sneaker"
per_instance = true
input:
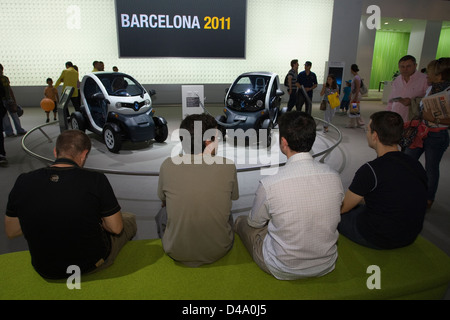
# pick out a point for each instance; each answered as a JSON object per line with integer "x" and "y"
{"x": 3, "y": 160}
{"x": 21, "y": 133}
{"x": 47, "y": 121}
{"x": 10, "y": 135}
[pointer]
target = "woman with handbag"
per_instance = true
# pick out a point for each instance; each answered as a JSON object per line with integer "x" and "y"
{"x": 330, "y": 88}
{"x": 435, "y": 140}
{"x": 355, "y": 98}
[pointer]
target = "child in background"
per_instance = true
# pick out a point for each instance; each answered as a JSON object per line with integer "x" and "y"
{"x": 328, "y": 88}
{"x": 345, "y": 103}
{"x": 51, "y": 93}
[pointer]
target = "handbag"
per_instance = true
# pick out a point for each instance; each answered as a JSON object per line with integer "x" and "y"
{"x": 354, "y": 108}
{"x": 333, "y": 99}
{"x": 410, "y": 129}
{"x": 11, "y": 106}
{"x": 19, "y": 111}
{"x": 323, "y": 105}
{"x": 363, "y": 89}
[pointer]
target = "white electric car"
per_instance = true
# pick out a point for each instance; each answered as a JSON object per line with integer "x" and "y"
{"x": 119, "y": 108}
{"x": 252, "y": 102}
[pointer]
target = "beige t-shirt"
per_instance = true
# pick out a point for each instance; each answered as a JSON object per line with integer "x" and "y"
{"x": 198, "y": 194}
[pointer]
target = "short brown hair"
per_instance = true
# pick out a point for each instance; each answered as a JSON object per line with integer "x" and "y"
{"x": 206, "y": 122}
{"x": 71, "y": 143}
{"x": 299, "y": 130}
{"x": 388, "y": 125}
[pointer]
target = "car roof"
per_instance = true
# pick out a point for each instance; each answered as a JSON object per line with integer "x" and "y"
{"x": 106, "y": 73}
{"x": 260, "y": 73}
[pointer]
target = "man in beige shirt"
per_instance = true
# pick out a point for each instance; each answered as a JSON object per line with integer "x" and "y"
{"x": 197, "y": 189}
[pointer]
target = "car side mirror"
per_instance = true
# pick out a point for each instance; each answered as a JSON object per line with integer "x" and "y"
{"x": 279, "y": 93}
{"x": 151, "y": 92}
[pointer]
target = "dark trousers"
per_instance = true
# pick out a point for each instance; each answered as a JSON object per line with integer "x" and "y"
{"x": 301, "y": 99}
{"x": 348, "y": 227}
{"x": 119, "y": 241}
{"x": 2, "y": 139}
{"x": 292, "y": 100}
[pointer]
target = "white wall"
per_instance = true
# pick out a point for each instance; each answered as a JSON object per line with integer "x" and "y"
{"x": 39, "y": 36}
{"x": 37, "y": 39}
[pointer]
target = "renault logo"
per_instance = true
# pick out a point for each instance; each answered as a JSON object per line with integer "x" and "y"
{"x": 136, "y": 106}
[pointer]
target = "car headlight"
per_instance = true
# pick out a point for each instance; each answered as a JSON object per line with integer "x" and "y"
{"x": 147, "y": 102}
{"x": 118, "y": 105}
{"x": 259, "y": 103}
{"x": 230, "y": 102}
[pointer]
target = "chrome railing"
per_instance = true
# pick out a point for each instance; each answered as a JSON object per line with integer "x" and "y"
{"x": 323, "y": 153}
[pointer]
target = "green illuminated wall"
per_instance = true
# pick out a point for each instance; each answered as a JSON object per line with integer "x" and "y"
{"x": 391, "y": 46}
{"x": 388, "y": 49}
{"x": 443, "y": 49}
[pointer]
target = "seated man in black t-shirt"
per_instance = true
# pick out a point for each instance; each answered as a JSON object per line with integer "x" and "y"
{"x": 393, "y": 187}
{"x": 68, "y": 215}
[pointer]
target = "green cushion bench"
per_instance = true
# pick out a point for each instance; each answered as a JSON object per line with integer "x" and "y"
{"x": 143, "y": 271}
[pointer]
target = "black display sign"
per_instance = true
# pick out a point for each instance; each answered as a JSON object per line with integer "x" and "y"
{"x": 181, "y": 28}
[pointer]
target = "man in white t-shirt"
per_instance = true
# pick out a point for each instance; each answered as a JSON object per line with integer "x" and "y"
{"x": 291, "y": 231}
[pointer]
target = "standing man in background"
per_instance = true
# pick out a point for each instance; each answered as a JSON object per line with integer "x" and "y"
{"x": 69, "y": 77}
{"x": 408, "y": 85}
{"x": 308, "y": 80}
{"x": 292, "y": 88}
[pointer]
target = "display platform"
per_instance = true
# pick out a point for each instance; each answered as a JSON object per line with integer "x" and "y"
{"x": 145, "y": 158}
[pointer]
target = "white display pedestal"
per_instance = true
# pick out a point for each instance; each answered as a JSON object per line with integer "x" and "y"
{"x": 386, "y": 91}
{"x": 192, "y": 99}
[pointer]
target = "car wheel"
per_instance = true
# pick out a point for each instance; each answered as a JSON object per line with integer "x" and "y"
{"x": 161, "y": 133}
{"x": 269, "y": 135}
{"x": 221, "y": 128}
{"x": 112, "y": 138}
{"x": 77, "y": 121}
{"x": 267, "y": 125}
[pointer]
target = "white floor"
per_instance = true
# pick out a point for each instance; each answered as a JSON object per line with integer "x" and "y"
{"x": 136, "y": 191}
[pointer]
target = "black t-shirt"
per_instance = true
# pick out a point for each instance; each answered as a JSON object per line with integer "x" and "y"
{"x": 307, "y": 80}
{"x": 60, "y": 211}
{"x": 394, "y": 188}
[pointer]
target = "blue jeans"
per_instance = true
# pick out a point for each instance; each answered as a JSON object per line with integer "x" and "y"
{"x": 7, "y": 123}
{"x": 348, "y": 228}
{"x": 434, "y": 147}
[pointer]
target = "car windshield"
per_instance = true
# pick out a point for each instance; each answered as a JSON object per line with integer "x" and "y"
{"x": 119, "y": 84}
{"x": 251, "y": 85}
